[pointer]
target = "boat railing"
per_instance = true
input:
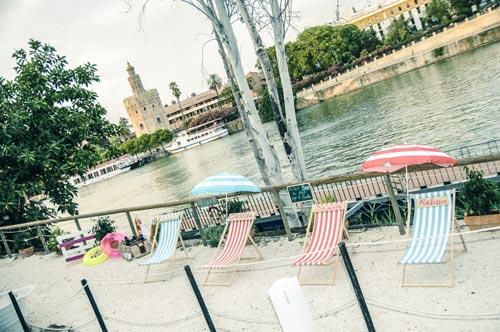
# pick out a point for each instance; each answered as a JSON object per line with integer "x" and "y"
{"x": 354, "y": 187}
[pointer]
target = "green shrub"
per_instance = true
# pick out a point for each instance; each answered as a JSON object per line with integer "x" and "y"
{"x": 103, "y": 226}
{"x": 213, "y": 234}
{"x": 480, "y": 197}
{"x": 52, "y": 240}
{"x": 21, "y": 240}
{"x": 437, "y": 52}
{"x": 329, "y": 199}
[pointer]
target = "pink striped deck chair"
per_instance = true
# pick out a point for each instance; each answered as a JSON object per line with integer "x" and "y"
{"x": 329, "y": 224}
{"x": 238, "y": 229}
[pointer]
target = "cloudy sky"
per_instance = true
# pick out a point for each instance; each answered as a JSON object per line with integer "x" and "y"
{"x": 169, "y": 47}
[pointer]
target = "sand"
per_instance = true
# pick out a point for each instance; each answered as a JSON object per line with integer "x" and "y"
{"x": 171, "y": 305}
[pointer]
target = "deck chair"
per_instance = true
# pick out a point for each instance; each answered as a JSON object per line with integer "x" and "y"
{"x": 238, "y": 227}
{"x": 433, "y": 220}
{"x": 168, "y": 225}
{"x": 329, "y": 224}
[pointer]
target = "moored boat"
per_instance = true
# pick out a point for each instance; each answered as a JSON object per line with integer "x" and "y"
{"x": 105, "y": 170}
{"x": 198, "y": 135}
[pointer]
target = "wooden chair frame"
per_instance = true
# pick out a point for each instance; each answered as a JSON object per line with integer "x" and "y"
{"x": 235, "y": 266}
{"x": 336, "y": 258}
{"x": 453, "y": 226}
{"x": 154, "y": 244}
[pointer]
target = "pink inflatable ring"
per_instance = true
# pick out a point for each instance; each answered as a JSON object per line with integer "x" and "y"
{"x": 110, "y": 242}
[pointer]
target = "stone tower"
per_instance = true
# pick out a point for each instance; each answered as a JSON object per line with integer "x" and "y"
{"x": 144, "y": 107}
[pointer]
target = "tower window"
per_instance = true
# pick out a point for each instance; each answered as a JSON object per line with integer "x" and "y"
{"x": 158, "y": 119}
{"x": 399, "y": 8}
{"x": 141, "y": 126}
{"x": 153, "y": 105}
{"x": 144, "y": 108}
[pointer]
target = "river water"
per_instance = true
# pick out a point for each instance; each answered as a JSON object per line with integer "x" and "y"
{"x": 449, "y": 104}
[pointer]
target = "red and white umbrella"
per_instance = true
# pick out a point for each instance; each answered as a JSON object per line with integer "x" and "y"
{"x": 394, "y": 158}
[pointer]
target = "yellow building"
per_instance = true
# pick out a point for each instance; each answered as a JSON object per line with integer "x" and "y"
{"x": 379, "y": 17}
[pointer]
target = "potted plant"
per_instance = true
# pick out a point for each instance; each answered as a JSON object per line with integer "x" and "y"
{"x": 481, "y": 200}
{"x": 23, "y": 245}
{"x": 103, "y": 226}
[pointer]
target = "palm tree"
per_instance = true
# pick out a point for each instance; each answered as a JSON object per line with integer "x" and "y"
{"x": 177, "y": 93}
{"x": 215, "y": 83}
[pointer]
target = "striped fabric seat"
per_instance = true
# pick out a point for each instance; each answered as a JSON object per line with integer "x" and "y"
{"x": 169, "y": 225}
{"x": 326, "y": 234}
{"x": 431, "y": 227}
{"x": 240, "y": 225}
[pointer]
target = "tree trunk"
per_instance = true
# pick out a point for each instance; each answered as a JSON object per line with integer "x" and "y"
{"x": 265, "y": 154}
{"x": 265, "y": 62}
{"x": 286, "y": 83}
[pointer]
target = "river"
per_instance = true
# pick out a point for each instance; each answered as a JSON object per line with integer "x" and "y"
{"x": 452, "y": 103}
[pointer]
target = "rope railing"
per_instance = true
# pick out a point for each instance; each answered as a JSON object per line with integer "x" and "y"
{"x": 201, "y": 269}
{"x": 249, "y": 320}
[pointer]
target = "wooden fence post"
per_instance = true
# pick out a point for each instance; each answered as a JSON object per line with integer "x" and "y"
{"x": 5, "y": 244}
{"x": 394, "y": 204}
{"x": 42, "y": 238}
{"x": 197, "y": 221}
{"x": 282, "y": 212}
{"x": 77, "y": 223}
{"x": 131, "y": 223}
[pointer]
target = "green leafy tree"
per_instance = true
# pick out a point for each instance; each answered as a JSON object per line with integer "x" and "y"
{"x": 226, "y": 96}
{"x": 320, "y": 47}
{"x": 215, "y": 83}
{"x": 186, "y": 122}
{"x": 264, "y": 103}
{"x": 51, "y": 125}
{"x": 176, "y": 92}
{"x": 399, "y": 32}
{"x": 438, "y": 13}
{"x": 463, "y": 8}
{"x": 124, "y": 127}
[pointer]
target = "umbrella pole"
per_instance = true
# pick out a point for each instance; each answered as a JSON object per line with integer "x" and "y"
{"x": 227, "y": 212}
{"x": 408, "y": 203}
{"x": 394, "y": 203}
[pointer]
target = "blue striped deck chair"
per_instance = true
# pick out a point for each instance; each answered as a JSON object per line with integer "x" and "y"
{"x": 433, "y": 221}
{"x": 168, "y": 225}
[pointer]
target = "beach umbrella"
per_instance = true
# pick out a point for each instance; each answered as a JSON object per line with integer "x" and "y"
{"x": 224, "y": 184}
{"x": 394, "y": 158}
{"x": 397, "y": 157}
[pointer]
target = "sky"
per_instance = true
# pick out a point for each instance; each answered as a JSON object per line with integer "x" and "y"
{"x": 171, "y": 44}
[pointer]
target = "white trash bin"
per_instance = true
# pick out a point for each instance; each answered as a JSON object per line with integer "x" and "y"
{"x": 290, "y": 305}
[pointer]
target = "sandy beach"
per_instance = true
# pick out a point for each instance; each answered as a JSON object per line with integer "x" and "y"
{"x": 130, "y": 305}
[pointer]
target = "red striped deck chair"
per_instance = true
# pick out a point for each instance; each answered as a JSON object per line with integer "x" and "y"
{"x": 329, "y": 224}
{"x": 238, "y": 229}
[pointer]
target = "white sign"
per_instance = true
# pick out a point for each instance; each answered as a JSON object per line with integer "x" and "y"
{"x": 290, "y": 305}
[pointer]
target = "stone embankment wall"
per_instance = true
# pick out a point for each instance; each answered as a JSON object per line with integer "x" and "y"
{"x": 471, "y": 34}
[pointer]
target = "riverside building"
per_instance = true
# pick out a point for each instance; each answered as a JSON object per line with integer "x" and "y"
{"x": 144, "y": 108}
{"x": 379, "y": 17}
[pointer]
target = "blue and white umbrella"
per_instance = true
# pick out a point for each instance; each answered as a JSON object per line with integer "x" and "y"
{"x": 224, "y": 183}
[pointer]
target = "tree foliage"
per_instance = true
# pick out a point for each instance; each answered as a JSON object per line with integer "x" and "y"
{"x": 146, "y": 142}
{"x": 225, "y": 114}
{"x": 399, "y": 32}
{"x": 463, "y": 8}
{"x": 323, "y": 46}
{"x": 438, "y": 13}
{"x": 51, "y": 125}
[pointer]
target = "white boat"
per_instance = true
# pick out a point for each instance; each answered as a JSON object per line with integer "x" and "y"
{"x": 103, "y": 171}
{"x": 8, "y": 317}
{"x": 198, "y": 135}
